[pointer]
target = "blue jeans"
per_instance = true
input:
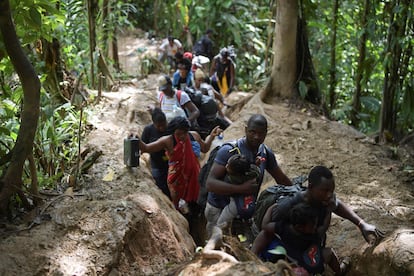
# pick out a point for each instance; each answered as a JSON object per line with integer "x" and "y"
{"x": 160, "y": 177}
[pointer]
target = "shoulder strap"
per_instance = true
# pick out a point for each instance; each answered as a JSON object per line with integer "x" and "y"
{"x": 234, "y": 146}
{"x": 178, "y": 95}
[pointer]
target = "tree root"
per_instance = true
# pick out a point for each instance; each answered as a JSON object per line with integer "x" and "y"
{"x": 34, "y": 221}
{"x": 216, "y": 240}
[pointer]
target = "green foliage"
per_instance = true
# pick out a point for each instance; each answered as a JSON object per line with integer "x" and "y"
{"x": 75, "y": 40}
{"x": 377, "y": 57}
{"x": 243, "y": 24}
{"x": 117, "y": 19}
{"x": 9, "y": 126}
{"x": 35, "y": 19}
{"x": 303, "y": 89}
{"x": 150, "y": 65}
{"x": 55, "y": 145}
{"x": 56, "y": 141}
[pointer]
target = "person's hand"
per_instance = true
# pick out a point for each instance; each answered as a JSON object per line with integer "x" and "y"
{"x": 150, "y": 108}
{"x": 248, "y": 188}
{"x": 216, "y": 131}
{"x": 371, "y": 234}
{"x": 194, "y": 125}
{"x": 133, "y": 135}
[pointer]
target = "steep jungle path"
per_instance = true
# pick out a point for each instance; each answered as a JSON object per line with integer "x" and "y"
{"x": 119, "y": 223}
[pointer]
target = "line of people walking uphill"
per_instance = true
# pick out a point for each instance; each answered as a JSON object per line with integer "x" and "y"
{"x": 187, "y": 120}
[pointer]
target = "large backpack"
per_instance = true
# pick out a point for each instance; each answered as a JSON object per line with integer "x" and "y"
{"x": 273, "y": 194}
{"x": 204, "y": 172}
{"x": 208, "y": 111}
{"x": 206, "y": 104}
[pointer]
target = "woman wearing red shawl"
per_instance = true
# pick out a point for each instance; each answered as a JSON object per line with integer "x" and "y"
{"x": 182, "y": 148}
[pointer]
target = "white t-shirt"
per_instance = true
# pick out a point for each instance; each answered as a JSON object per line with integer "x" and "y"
{"x": 170, "y": 50}
{"x": 170, "y": 105}
{"x": 209, "y": 89}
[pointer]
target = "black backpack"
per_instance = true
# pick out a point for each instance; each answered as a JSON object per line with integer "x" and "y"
{"x": 206, "y": 104}
{"x": 273, "y": 194}
{"x": 204, "y": 172}
{"x": 198, "y": 48}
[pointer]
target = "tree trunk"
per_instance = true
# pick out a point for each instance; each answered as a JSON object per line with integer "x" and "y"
{"x": 50, "y": 54}
{"x": 305, "y": 69}
{"x": 283, "y": 77}
{"x": 332, "y": 71}
{"x": 356, "y": 101}
{"x": 115, "y": 55}
{"x": 12, "y": 180}
{"x": 105, "y": 36}
{"x": 92, "y": 11}
{"x": 396, "y": 31}
{"x": 268, "y": 62}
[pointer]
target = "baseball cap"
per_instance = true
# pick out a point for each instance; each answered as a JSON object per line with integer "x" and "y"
{"x": 163, "y": 82}
{"x": 188, "y": 55}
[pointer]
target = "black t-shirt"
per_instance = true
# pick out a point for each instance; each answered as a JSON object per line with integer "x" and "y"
{"x": 281, "y": 211}
{"x": 208, "y": 46}
{"x": 306, "y": 249}
{"x": 158, "y": 159}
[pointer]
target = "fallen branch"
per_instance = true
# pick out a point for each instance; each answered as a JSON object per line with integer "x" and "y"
{"x": 59, "y": 194}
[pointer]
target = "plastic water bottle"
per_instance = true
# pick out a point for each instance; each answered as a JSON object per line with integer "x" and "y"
{"x": 183, "y": 206}
{"x": 218, "y": 141}
{"x": 177, "y": 111}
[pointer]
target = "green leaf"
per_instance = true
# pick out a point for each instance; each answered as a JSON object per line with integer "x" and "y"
{"x": 4, "y": 131}
{"x": 36, "y": 17}
{"x": 227, "y": 4}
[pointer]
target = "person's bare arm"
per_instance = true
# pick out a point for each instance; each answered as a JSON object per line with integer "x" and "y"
{"x": 280, "y": 177}
{"x": 232, "y": 76}
{"x": 267, "y": 218}
{"x": 193, "y": 110}
{"x": 368, "y": 231}
{"x": 263, "y": 239}
{"x": 206, "y": 144}
{"x": 217, "y": 95}
{"x": 216, "y": 185}
{"x": 164, "y": 142}
{"x": 212, "y": 67}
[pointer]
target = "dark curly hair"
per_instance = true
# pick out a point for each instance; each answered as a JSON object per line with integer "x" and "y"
{"x": 317, "y": 173}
